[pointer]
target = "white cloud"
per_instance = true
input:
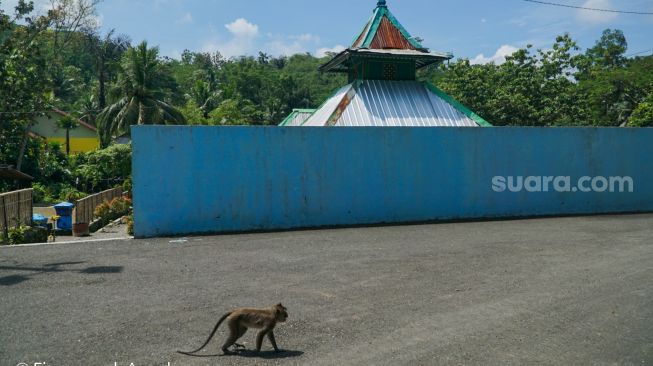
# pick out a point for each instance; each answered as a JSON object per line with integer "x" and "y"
{"x": 281, "y": 48}
{"x": 306, "y": 37}
{"x": 99, "y": 20}
{"x": 245, "y": 39}
{"x": 185, "y": 19}
{"x": 241, "y": 28}
{"x": 498, "y": 58}
{"x": 281, "y": 45}
{"x": 243, "y": 35}
{"x": 596, "y": 17}
{"x": 321, "y": 52}
{"x": 232, "y": 48}
{"x": 176, "y": 54}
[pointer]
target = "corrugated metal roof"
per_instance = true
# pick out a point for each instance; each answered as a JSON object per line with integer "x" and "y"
{"x": 297, "y": 117}
{"x": 393, "y": 34}
{"x": 381, "y": 103}
{"x": 388, "y": 36}
{"x": 322, "y": 115}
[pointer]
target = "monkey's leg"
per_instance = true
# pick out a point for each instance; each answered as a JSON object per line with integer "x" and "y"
{"x": 241, "y": 333}
{"x": 234, "y": 334}
{"x": 259, "y": 338}
{"x": 274, "y": 343}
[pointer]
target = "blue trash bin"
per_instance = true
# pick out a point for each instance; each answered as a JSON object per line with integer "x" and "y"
{"x": 39, "y": 220}
{"x": 65, "y": 212}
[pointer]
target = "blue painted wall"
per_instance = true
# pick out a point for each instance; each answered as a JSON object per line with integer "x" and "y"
{"x": 224, "y": 179}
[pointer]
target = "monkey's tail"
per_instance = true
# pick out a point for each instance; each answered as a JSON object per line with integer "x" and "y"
{"x": 210, "y": 337}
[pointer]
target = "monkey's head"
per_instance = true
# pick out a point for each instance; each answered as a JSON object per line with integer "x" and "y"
{"x": 281, "y": 313}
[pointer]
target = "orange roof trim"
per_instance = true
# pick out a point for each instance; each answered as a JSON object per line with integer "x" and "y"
{"x": 64, "y": 114}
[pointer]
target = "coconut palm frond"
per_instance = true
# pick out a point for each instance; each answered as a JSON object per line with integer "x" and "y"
{"x": 140, "y": 95}
{"x": 170, "y": 115}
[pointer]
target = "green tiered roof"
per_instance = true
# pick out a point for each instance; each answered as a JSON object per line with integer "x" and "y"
{"x": 383, "y": 90}
{"x": 384, "y": 50}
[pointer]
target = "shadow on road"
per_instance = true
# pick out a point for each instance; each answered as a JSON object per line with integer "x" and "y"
{"x": 12, "y": 280}
{"x": 51, "y": 268}
{"x": 267, "y": 355}
{"x": 102, "y": 270}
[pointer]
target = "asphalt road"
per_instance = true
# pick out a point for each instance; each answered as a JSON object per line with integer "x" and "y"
{"x": 569, "y": 291}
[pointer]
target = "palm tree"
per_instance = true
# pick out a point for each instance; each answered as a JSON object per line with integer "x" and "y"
{"x": 107, "y": 53}
{"x": 68, "y": 123}
{"x": 206, "y": 96}
{"x": 140, "y": 96}
{"x": 87, "y": 108}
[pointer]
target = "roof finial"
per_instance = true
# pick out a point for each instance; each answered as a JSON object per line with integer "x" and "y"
{"x": 381, "y": 4}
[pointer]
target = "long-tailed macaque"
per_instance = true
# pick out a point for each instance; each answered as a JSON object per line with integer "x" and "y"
{"x": 239, "y": 320}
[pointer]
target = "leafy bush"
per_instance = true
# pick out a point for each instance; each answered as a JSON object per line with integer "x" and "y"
{"x": 36, "y": 235}
{"x": 53, "y": 164}
{"x": 42, "y": 160}
{"x": 38, "y": 195}
{"x": 112, "y": 210}
{"x": 102, "y": 169}
{"x": 127, "y": 187}
{"x": 55, "y": 193}
{"x": 130, "y": 225}
{"x": 643, "y": 115}
{"x": 26, "y": 235}
{"x": 70, "y": 194}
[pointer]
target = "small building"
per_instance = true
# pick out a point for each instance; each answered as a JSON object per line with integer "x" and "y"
{"x": 383, "y": 89}
{"x": 297, "y": 117}
{"x": 11, "y": 175}
{"x": 7, "y": 172}
{"x": 82, "y": 139}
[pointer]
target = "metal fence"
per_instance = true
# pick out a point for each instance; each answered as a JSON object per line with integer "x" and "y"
{"x": 15, "y": 209}
{"x": 85, "y": 208}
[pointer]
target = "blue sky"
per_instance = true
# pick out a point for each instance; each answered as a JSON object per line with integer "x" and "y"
{"x": 479, "y": 30}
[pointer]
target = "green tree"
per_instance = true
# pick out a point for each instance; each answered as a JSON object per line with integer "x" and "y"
{"x": 107, "y": 53}
{"x": 193, "y": 114}
{"x": 69, "y": 62}
{"x": 68, "y": 123}
{"x": 142, "y": 90}
{"x": 613, "y": 94}
{"x": 236, "y": 111}
{"x": 610, "y": 50}
{"x": 643, "y": 114}
{"x": 23, "y": 80}
{"x": 88, "y": 108}
{"x": 529, "y": 89}
{"x": 206, "y": 96}
{"x": 69, "y": 19}
{"x": 102, "y": 169}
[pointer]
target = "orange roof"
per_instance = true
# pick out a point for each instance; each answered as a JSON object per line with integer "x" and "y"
{"x": 389, "y": 37}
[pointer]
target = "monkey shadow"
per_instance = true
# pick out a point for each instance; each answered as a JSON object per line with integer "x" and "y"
{"x": 266, "y": 355}
{"x": 269, "y": 355}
